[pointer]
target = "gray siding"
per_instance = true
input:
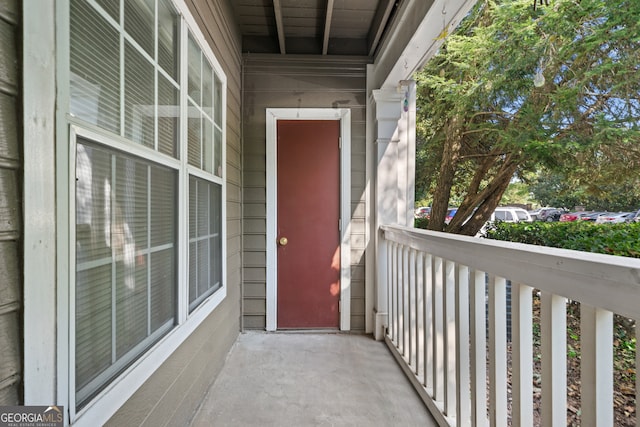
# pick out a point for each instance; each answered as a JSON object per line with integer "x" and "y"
{"x": 271, "y": 81}
{"x": 172, "y": 394}
{"x": 10, "y": 211}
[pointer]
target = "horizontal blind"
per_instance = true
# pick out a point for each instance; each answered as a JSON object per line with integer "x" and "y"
{"x": 125, "y": 260}
{"x": 205, "y": 241}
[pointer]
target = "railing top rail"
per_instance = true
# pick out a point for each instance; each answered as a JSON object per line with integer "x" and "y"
{"x": 605, "y": 281}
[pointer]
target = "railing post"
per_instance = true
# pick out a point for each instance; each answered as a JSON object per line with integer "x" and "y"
{"x": 596, "y": 372}
{"x": 498, "y": 350}
{"x": 522, "y": 356}
{"x": 463, "y": 415}
{"x": 553, "y": 328}
{"x": 478, "y": 348}
{"x": 449, "y": 305}
{"x": 438, "y": 329}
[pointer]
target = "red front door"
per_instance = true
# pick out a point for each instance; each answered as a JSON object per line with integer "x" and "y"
{"x": 308, "y": 215}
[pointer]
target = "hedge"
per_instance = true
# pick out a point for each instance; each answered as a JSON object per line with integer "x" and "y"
{"x": 614, "y": 239}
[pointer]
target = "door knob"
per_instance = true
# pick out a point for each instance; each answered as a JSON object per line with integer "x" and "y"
{"x": 283, "y": 241}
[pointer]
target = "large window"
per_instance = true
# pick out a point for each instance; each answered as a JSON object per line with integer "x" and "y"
{"x": 148, "y": 109}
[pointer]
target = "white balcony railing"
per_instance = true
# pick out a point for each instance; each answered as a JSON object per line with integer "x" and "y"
{"x": 447, "y": 325}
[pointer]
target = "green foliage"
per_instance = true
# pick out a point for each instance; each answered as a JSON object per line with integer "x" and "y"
{"x": 481, "y": 116}
{"x": 612, "y": 239}
{"x": 421, "y": 223}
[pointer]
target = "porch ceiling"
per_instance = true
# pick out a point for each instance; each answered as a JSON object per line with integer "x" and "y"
{"x": 313, "y": 27}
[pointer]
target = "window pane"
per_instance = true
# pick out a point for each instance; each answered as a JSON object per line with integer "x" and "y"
{"x": 207, "y": 88}
{"x": 207, "y": 145}
{"x": 195, "y": 72}
{"x": 93, "y": 201}
{"x": 168, "y": 112}
{"x": 205, "y": 241}
{"x": 218, "y": 102}
{"x": 131, "y": 213}
{"x": 216, "y": 232}
{"x": 217, "y": 164}
{"x": 139, "y": 19}
{"x": 163, "y": 215}
{"x": 138, "y": 97}
{"x": 93, "y": 323}
{"x": 168, "y": 38}
{"x": 95, "y": 68}
{"x": 193, "y": 206}
{"x": 125, "y": 207}
{"x": 163, "y": 280}
{"x": 131, "y": 303}
{"x": 193, "y": 272}
{"x": 194, "y": 130}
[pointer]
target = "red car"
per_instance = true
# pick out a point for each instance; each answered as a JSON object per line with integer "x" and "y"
{"x": 573, "y": 216}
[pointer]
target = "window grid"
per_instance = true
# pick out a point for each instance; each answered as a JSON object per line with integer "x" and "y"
{"x": 212, "y": 117}
{"x": 114, "y": 258}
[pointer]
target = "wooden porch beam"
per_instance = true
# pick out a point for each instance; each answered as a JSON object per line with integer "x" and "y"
{"x": 379, "y": 22}
{"x": 327, "y": 27}
{"x": 277, "y": 10}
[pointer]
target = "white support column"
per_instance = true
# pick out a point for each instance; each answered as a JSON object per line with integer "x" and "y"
{"x": 387, "y": 106}
{"x": 406, "y": 161}
{"x": 394, "y": 134}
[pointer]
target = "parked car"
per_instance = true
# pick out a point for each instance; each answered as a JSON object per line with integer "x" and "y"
{"x": 422, "y": 212}
{"x": 636, "y": 217}
{"x": 510, "y": 214}
{"x": 546, "y": 214}
{"x": 451, "y": 212}
{"x": 505, "y": 214}
{"x": 593, "y": 216}
{"x": 573, "y": 216}
{"x": 611, "y": 218}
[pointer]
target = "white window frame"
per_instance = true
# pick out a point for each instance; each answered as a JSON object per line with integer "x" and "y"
{"x": 50, "y": 327}
{"x": 344, "y": 116}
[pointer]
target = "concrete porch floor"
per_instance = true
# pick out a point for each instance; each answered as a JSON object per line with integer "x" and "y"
{"x": 311, "y": 379}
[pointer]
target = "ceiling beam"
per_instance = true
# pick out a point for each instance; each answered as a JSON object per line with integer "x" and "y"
{"x": 379, "y": 23}
{"x": 327, "y": 27}
{"x": 277, "y": 10}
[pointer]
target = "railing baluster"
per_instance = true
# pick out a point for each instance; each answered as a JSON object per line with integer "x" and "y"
{"x": 389, "y": 277}
{"x": 419, "y": 313}
{"x": 411, "y": 303}
{"x": 405, "y": 303}
{"x": 522, "y": 354}
{"x": 394, "y": 285}
{"x": 596, "y": 371}
{"x": 498, "y": 350}
{"x": 438, "y": 330}
{"x": 428, "y": 323}
{"x": 553, "y": 319}
{"x": 478, "y": 327}
{"x": 463, "y": 414}
{"x": 397, "y": 287}
{"x": 450, "y": 338}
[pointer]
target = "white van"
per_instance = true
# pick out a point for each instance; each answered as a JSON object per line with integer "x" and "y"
{"x": 505, "y": 214}
{"x": 510, "y": 214}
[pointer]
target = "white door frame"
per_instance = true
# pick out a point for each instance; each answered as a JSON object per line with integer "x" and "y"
{"x": 344, "y": 115}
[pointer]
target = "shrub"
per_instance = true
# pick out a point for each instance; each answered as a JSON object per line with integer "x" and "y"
{"x": 614, "y": 239}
